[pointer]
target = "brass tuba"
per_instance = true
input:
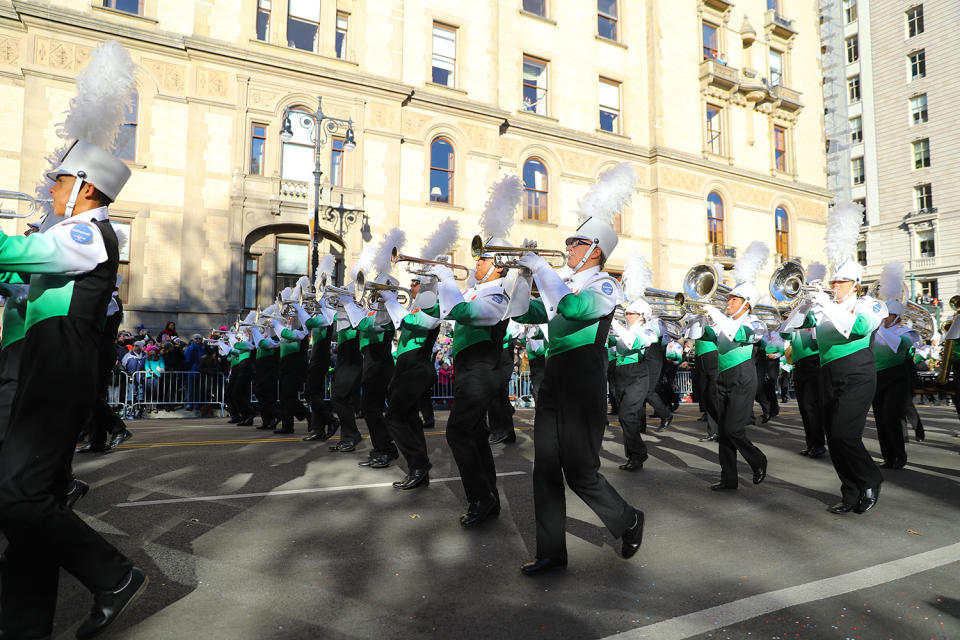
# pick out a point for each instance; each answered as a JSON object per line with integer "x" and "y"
{"x": 668, "y": 305}
{"x": 703, "y": 286}
{"x": 507, "y": 257}
{"x": 914, "y": 315}
{"x": 787, "y": 285}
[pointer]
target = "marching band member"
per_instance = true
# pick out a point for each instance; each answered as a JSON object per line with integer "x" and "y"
{"x": 502, "y": 429}
{"x": 536, "y": 347}
{"x": 293, "y": 363}
{"x": 735, "y": 333}
{"x": 892, "y": 347}
{"x": 241, "y": 376}
{"x": 768, "y": 350}
{"x": 346, "y": 379}
{"x": 653, "y": 362}
{"x": 266, "y": 374}
{"x": 477, "y": 344}
{"x": 571, "y": 405}
{"x": 323, "y": 424}
{"x": 705, "y": 374}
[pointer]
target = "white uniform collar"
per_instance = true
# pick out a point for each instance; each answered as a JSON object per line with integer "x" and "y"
{"x": 93, "y": 215}
{"x": 580, "y": 278}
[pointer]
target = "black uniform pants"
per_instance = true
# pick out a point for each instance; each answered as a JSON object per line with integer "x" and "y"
{"x": 806, "y": 382}
{"x": 9, "y": 370}
{"x": 316, "y": 384}
{"x": 103, "y": 420}
{"x": 653, "y": 361}
{"x": 889, "y": 400}
{"x": 475, "y": 385}
{"x": 909, "y": 410}
{"x": 847, "y": 386}
{"x": 611, "y": 377}
{"x": 632, "y": 385}
{"x": 768, "y": 371}
{"x": 665, "y": 385}
{"x": 35, "y": 463}
{"x": 346, "y": 389}
{"x": 956, "y": 385}
{"x": 411, "y": 377}
{"x": 736, "y": 388}
{"x": 501, "y": 410}
{"x": 291, "y": 384}
{"x": 706, "y": 374}
{"x": 537, "y": 367}
{"x": 426, "y": 401}
{"x": 266, "y": 380}
{"x": 568, "y": 435}
{"x": 241, "y": 376}
{"x": 377, "y": 373}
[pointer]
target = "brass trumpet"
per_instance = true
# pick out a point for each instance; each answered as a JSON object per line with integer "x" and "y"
{"x": 914, "y": 316}
{"x": 370, "y": 292}
{"x": 478, "y": 248}
{"x": 23, "y": 197}
{"x": 331, "y": 293}
{"x": 668, "y": 305}
{"x": 424, "y": 265}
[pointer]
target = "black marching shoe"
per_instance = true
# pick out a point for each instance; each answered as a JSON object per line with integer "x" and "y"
{"x": 234, "y": 419}
{"x": 88, "y": 447}
{"x": 382, "y": 461}
{"x": 816, "y": 452}
{"x": 868, "y": 499}
{"x": 344, "y": 446}
{"x": 633, "y": 464}
{"x": 78, "y": 489}
{"x": 665, "y": 423}
{"x": 108, "y": 605}
{"x": 369, "y": 461}
{"x": 503, "y": 436}
{"x": 120, "y": 438}
{"x": 246, "y": 422}
{"x": 840, "y": 507}
{"x": 805, "y": 452}
{"x": 722, "y": 486}
{"x": 477, "y": 512}
{"x": 284, "y": 431}
{"x": 316, "y": 435}
{"x": 268, "y": 425}
{"x": 416, "y": 478}
{"x": 702, "y": 418}
{"x": 632, "y": 537}
{"x": 542, "y": 565}
{"x": 760, "y": 473}
{"x": 709, "y": 438}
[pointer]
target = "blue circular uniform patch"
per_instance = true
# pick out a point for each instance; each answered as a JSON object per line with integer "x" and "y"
{"x": 497, "y": 298}
{"x": 81, "y": 234}
{"x": 877, "y": 307}
{"x": 607, "y": 288}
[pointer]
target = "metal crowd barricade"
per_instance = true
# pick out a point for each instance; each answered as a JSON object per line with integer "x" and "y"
{"x": 174, "y": 389}
{"x": 683, "y": 384}
{"x": 117, "y": 391}
{"x": 520, "y": 386}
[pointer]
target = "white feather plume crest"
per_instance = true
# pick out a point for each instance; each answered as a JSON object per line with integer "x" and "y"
{"x": 250, "y": 318}
{"x": 98, "y": 111}
{"x": 637, "y": 277}
{"x": 364, "y": 263}
{"x": 816, "y": 271}
{"x": 498, "y": 214}
{"x": 442, "y": 240}
{"x": 890, "y": 285}
{"x": 843, "y": 228}
{"x": 396, "y": 237}
{"x": 610, "y": 194}
{"x": 325, "y": 267}
{"x": 749, "y": 265}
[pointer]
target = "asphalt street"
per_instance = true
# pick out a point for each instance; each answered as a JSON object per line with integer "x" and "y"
{"x": 249, "y": 535}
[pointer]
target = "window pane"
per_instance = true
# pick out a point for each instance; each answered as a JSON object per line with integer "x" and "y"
{"x": 781, "y": 219}
{"x": 301, "y": 35}
{"x": 709, "y": 41}
{"x": 607, "y": 28}
{"x": 444, "y": 42}
{"x": 535, "y": 175}
{"x": 776, "y": 68}
{"x": 442, "y": 71}
{"x": 336, "y": 163}
{"x": 306, "y": 9}
{"x": 297, "y": 163}
{"x": 250, "y": 291}
{"x": 535, "y": 185}
{"x": 607, "y": 7}
{"x": 256, "y": 156}
{"x": 130, "y": 6}
{"x": 440, "y": 185}
{"x": 441, "y": 154}
{"x": 263, "y": 22}
{"x": 609, "y": 95}
{"x": 123, "y": 228}
{"x": 126, "y": 144}
{"x": 534, "y": 86}
{"x": 292, "y": 258}
{"x": 538, "y": 7}
{"x": 608, "y": 121}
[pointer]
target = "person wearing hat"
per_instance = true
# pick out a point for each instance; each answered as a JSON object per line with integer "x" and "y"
{"x": 72, "y": 269}
{"x": 266, "y": 374}
{"x": 240, "y": 358}
{"x": 293, "y": 369}
{"x": 425, "y": 406}
{"x": 500, "y": 415}
{"x": 892, "y": 347}
{"x": 345, "y": 390}
{"x": 631, "y": 382}
{"x": 323, "y": 423}
{"x": 805, "y": 359}
{"x": 571, "y": 412}
{"x": 768, "y": 350}
{"x": 848, "y": 381}
{"x": 704, "y": 378}
{"x": 536, "y": 346}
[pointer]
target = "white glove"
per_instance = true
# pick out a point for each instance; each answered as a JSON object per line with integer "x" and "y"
{"x": 388, "y": 296}
{"x": 533, "y": 262}
{"x": 344, "y": 300}
{"x": 820, "y": 298}
{"x": 442, "y": 272}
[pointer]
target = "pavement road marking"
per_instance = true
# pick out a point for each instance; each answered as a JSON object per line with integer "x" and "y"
{"x": 725, "y": 615}
{"x": 287, "y": 492}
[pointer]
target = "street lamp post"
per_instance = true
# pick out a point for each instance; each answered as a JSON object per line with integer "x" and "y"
{"x": 320, "y": 127}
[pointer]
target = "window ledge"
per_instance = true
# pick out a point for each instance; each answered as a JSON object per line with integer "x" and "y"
{"x": 444, "y": 205}
{"x": 117, "y": 12}
{"x": 448, "y": 88}
{"x": 536, "y": 16}
{"x": 534, "y": 114}
{"x": 352, "y": 63}
{"x": 615, "y": 134}
{"x": 615, "y": 43}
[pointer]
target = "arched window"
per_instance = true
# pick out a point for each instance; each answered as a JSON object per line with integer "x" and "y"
{"x": 783, "y": 233}
{"x": 441, "y": 171}
{"x": 127, "y": 140}
{"x": 297, "y": 161}
{"x": 715, "y": 222}
{"x": 536, "y": 187}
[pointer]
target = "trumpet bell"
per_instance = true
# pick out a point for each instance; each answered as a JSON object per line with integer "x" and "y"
{"x": 955, "y": 303}
{"x": 787, "y": 282}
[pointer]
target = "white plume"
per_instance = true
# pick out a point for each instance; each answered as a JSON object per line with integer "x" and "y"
{"x": 325, "y": 268}
{"x": 250, "y": 318}
{"x": 98, "y": 111}
{"x": 816, "y": 271}
{"x": 843, "y": 227}
{"x": 364, "y": 263}
{"x": 498, "y": 215}
{"x": 748, "y": 265}
{"x": 270, "y": 310}
{"x": 442, "y": 240}
{"x": 396, "y": 237}
{"x": 890, "y": 286}
{"x": 611, "y": 193}
{"x": 637, "y": 277}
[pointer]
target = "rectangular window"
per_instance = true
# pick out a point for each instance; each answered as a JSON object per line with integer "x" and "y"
{"x": 126, "y": 145}
{"x": 780, "y": 148}
{"x": 853, "y": 89}
{"x": 857, "y": 175}
{"x": 263, "y": 20}
{"x": 862, "y": 252}
{"x": 251, "y": 282}
{"x": 444, "y": 54}
{"x": 850, "y": 10}
{"x": 297, "y": 162}
{"x": 923, "y": 194}
{"x": 336, "y": 162}
{"x": 856, "y": 130}
{"x": 124, "y": 266}
{"x": 128, "y": 6}
{"x": 343, "y": 22}
{"x": 714, "y": 130}
{"x": 293, "y": 258}
{"x": 915, "y": 21}
{"x": 918, "y": 64}
{"x": 711, "y": 42}
{"x": 929, "y": 289}
{"x": 303, "y": 24}
{"x": 853, "y": 49}
{"x": 609, "y": 105}
{"x": 535, "y": 85}
{"x": 776, "y": 68}
{"x": 921, "y": 153}
{"x": 607, "y": 19}
{"x": 918, "y": 109}
{"x": 537, "y": 7}
{"x": 258, "y": 143}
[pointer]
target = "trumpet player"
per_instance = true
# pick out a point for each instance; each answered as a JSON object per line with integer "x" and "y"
{"x": 346, "y": 378}
{"x": 323, "y": 424}
{"x": 500, "y": 415}
{"x": 535, "y": 340}
{"x": 241, "y": 375}
{"x": 293, "y": 368}
{"x": 892, "y": 346}
{"x": 767, "y": 352}
{"x": 266, "y": 372}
